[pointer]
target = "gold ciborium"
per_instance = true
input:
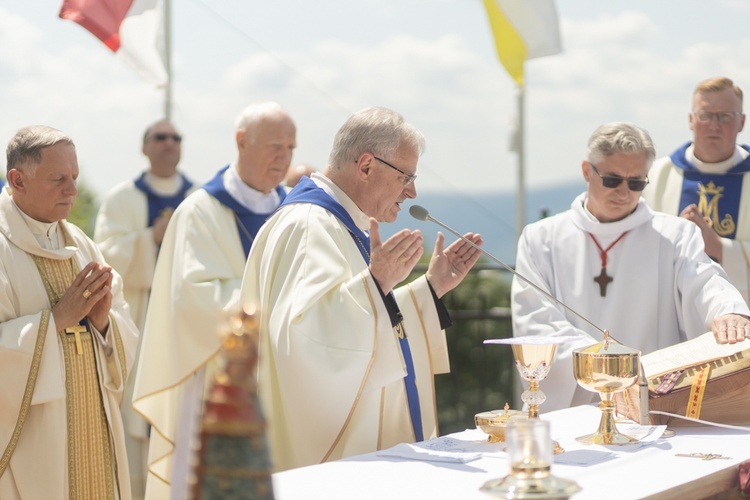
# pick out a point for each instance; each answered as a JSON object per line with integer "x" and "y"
{"x": 607, "y": 368}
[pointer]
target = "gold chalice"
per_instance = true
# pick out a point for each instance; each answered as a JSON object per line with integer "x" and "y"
{"x": 607, "y": 368}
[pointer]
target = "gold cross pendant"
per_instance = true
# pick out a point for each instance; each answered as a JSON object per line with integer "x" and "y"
{"x": 77, "y": 330}
{"x": 703, "y": 456}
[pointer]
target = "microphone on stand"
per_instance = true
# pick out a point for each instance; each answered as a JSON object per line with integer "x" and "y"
{"x": 421, "y": 213}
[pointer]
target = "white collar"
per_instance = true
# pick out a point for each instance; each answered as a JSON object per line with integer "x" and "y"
{"x": 361, "y": 220}
{"x": 164, "y": 186}
{"x": 45, "y": 233}
{"x": 252, "y": 199}
{"x": 721, "y": 167}
{"x": 587, "y": 222}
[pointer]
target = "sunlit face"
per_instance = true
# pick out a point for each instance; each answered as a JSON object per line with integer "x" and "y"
{"x": 715, "y": 141}
{"x": 48, "y": 195}
{"x": 266, "y": 152}
{"x": 386, "y": 186}
{"x": 163, "y": 147}
{"x": 613, "y": 204}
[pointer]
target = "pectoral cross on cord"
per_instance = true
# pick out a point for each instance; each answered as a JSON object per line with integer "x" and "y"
{"x": 603, "y": 279}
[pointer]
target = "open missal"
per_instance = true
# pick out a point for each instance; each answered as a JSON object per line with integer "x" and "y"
{"x": 699, "y": 379}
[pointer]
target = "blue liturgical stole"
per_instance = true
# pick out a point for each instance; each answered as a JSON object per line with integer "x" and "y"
{"x": 306, "y": 191}
{"x": 716, "y": 195}
{"x": 248, "y": 222}
{"x": 156, "y": 202}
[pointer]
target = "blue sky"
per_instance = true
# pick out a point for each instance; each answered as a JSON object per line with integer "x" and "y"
{"x": 432, "y": 60}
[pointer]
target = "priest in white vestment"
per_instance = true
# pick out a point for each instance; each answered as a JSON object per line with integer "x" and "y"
{"x": 129, "y": 229}
{"x": 707, "y": 180}
{"x": 67, "y": 342}
{"x": 347, "y": 363}
{"x": 197, "y": 278}
{"x": 642, "y": 275}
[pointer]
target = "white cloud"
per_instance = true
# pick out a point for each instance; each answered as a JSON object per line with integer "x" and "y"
{"x": 626, "y": 65}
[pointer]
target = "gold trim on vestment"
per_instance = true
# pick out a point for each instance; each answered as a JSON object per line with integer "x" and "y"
{"x": 366, "y": 375}
{"x": 155, "y": 428}
{"x": 429, "y": 355}
{"x": 36, "y": 362}
{"x": 91, "y": 468}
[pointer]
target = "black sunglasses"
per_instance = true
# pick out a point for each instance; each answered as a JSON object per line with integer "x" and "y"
{"x": 612, "y": 181}
{"x": 161, "y": 137}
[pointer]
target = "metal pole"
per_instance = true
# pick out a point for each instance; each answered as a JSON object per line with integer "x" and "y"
{"x": 168, "y": 59}
{"x": 521, "y": 188}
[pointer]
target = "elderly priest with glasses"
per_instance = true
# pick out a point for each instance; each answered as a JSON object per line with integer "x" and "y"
{"x": 640, "y": 274}
{"x": 347, "y": 358}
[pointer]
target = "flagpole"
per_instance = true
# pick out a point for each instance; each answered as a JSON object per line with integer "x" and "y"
{"x": 520, "y": 188}
{"x": 168, "y": 59}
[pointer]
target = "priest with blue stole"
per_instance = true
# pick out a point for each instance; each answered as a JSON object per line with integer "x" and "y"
{"x": 129, "y": 229}
{"x": 707, "y": 180}
{"x": 198, "y": 275}
{"x": 347, "y": 360}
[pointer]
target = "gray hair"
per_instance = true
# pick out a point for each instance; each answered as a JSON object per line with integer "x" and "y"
{"x": 619, "y": 137}
{"x": 377, "y": 130}
{"x": 25, "y": 148}
{"x": 255, "y": 113}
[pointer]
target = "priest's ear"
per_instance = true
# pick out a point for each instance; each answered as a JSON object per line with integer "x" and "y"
{"x": 586, "y": 169}
{"x": 364, "y": 165}
{"x": 17, "y": 180}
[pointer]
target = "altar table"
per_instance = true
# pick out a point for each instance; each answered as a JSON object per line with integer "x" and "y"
{"x": 650, "y": 471}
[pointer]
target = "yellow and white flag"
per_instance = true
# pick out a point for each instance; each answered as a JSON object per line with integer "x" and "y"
{"x": 523, "y": 29}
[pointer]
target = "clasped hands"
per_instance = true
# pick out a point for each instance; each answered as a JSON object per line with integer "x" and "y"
{"x": 88, "y": 296}
{"x": 392, "y": 261}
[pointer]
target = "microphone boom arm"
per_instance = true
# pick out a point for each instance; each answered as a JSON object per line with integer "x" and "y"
{"x": 420, "y": 213}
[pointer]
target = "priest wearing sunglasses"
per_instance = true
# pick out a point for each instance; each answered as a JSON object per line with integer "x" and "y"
{"x": 642, "y": 275}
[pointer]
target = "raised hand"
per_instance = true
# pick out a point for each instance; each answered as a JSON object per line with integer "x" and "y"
{"x": 392, "y": 261}
{"x": 450, "y": 266}
{"x": 711, "y": 239}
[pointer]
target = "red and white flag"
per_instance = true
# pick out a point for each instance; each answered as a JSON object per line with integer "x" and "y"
{"x": 132, "y": 29}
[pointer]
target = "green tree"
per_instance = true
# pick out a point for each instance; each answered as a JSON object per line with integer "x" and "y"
{"x": 481, "y": 376}
{"x": 85, "y": 208}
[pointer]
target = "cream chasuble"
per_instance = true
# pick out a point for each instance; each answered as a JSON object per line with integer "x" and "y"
{"x": 664, "y": 193}
{"x": 61, "y": 434}
{"x": 127, "y": 242}
{"x": 330, "y": 367}
{"x": 665, "y": 289}
{"x": 197, "y": 278}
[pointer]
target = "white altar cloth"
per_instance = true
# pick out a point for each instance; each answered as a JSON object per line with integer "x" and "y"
{"x": 649, "y": 471}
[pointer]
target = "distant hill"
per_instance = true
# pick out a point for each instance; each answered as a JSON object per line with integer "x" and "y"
{"x": 491, "y": 214}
